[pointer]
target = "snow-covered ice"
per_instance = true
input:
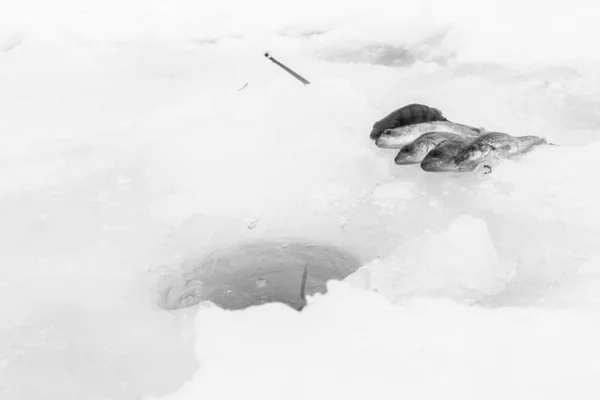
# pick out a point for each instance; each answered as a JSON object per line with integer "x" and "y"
{"x": 127, "y": 149}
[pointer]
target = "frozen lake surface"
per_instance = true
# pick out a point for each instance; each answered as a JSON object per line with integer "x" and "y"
{"x": 127, "y": 150}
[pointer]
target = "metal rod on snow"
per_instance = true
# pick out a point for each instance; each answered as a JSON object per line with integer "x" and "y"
{"x": 294, "y": 74}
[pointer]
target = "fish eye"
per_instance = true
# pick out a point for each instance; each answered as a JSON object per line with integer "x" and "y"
{"x": 405, "y": 149}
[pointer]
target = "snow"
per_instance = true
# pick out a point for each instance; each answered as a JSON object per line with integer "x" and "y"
{"x": 421, "y": 351}
{"x": 128, "y": 149}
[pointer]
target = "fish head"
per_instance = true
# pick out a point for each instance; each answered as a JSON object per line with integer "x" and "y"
{"x": 441, "y": 158}
{"x": 375, "y": 132}
{"x": 474, "y": 152}
{"x": 382, "y": 125}
{"x": 378, "y": 128}
{"x": 407, "y": 115}
{"x": 413, "y": 153}
{"x": 396, "y": 138}
{"x": 405, "y": 155}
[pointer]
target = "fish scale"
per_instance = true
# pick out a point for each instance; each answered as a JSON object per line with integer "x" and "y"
{"x": 398, "y": 137}
{"x": 413, "y": 153}
{"x": 497, "y": 145}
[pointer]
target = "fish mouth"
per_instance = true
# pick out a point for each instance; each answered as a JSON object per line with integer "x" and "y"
{"x": 436, "y": 166}
{"x": 375, "y": 134}
{"x": 391, "y": 143}
{"x": 405, "y": 161}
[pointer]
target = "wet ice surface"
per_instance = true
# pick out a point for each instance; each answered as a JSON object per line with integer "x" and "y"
{"x": 253, "y": 273}
{"x": 127, "y": 151}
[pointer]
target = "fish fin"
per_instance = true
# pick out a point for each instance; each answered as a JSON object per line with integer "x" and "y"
{"x": 439, "y": 111}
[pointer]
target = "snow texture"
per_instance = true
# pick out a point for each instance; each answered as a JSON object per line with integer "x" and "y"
{"x": 127, "y": 150}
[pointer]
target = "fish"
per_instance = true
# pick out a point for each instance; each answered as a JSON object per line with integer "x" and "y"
{"x": 413, "y": 153}
{"x": 399, "y": 137}
{"x": 496, "y": 145}
{"x": 441, "y": 158}
{"x": 407, "y": 115}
